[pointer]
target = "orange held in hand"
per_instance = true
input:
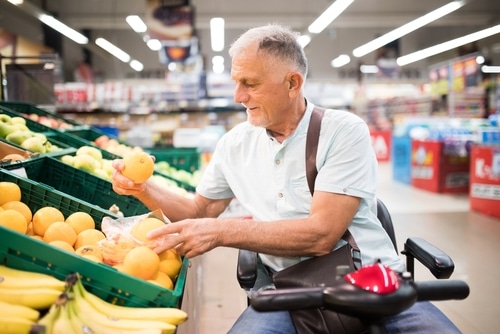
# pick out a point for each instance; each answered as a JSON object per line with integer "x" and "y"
{"x": 139, "y": 166}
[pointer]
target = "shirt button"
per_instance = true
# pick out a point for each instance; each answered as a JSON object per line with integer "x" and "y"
{"x": 277, "y": 161}
{"x": 344, "y": 190}
{"x": 280, "y": 195}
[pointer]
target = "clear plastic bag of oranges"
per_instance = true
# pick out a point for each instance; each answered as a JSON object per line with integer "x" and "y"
{"x": 126, "y": 233}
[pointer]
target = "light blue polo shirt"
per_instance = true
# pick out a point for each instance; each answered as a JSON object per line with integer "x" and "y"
{"x": 268, "y": 178}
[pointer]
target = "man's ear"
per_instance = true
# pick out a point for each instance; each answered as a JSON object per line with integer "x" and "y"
{"x": 295, "y": 81}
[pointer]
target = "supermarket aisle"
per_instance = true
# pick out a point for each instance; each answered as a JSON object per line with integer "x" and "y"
{"x": 472, "y": 239}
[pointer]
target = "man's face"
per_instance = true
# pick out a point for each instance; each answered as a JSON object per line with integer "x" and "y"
{"x": 261, "y": 86}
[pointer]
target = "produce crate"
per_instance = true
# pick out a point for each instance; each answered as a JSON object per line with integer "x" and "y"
{"x": 25, "y": 108}
{"x": 187, "y": 158}
{"x": 26, "y": 253}
{"x": 89, "y": 134}
{"x": 78, "y": 183}
{"x": 39, "y": 128}
{"x": 80, "y": 137}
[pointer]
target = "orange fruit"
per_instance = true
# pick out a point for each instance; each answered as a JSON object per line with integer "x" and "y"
{"x": 29, "y": 230}
{"x": 89, "y": 237}
{"x": 20, "y": 207}
{"x": 44, "y": 217}
{"x": 90, "y": 250}
{"x": 170, "y": 263}
{"x": 92, "y": 257}
{"x": 13, "y": 220}
{"x": 62, "y": 245}
{"x": 141, "y": 228}
{"x": 9, "y": 191}
{"x": 37, "y": 237}
{"x": 14, "y": 157}
{"x": 60, "y": 231}
{"x": 141, "y": 262}
{"x": 80, "y": 221}
{"x": 138, "y": 166}
{"x": 162, "y": 279}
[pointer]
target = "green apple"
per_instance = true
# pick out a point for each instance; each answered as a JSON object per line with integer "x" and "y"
{"x": 86, "y": 162}
{"x": 5, "y": 118}
{"x": 34, "y": 144}
{"x": 17, "y": 120}
{"x": 19, "y": 136}
{"x": 68, "y": 159}
{"x": 5, "y": 129}
{"x": 92, "y": 151}
{"x": 99, "y": 172}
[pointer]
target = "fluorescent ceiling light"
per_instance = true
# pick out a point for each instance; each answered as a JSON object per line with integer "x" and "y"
{"x": 217, "y": 33}
{"x": 329, "y": 15}
{"x": 114, "y": 50}
{"x": 304, "y": 40}
{"x": 154, "y": 44}
{"x": 341, "y": 61}
{"x": 451, "y": 44}
{"x": 63, "y": 29}
{"x": 407, "y": 28}
{"x": 136, "y": 23}
{"x": 136, "y": 65}
{"x": 490, "y": 69}
{"x": 16, "y": 2}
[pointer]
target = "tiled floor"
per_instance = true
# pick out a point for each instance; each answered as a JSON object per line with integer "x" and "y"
{"x": 472, "y": 239}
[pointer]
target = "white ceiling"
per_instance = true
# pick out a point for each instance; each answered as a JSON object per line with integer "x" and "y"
{"x": 362, "y": 21}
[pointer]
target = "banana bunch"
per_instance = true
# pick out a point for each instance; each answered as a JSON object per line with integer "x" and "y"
{"x": 18, "y": 319}
{"x": 79, "y": 311}
{"x": 22, "y": 295}
{"x": 34, "y": 290}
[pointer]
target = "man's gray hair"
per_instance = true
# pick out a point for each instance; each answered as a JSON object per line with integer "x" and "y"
{"x": 275, "y": 40}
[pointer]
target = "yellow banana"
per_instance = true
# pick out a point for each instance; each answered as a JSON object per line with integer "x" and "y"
{"x": 19, "y": 311}
{"x": 62, "y": 323}
{"x": 16, "y": 325}
{"x": 170, "y": 315}
{"x": 17, "y": 279}
{"x": 37, "y": 298}
{"x": 90, "y": 316}
{"x": 47, "y": 320}
{"x": 85, "y": 327}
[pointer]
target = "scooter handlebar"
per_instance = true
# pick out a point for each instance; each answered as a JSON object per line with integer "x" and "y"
{"x": 351, "y": 300}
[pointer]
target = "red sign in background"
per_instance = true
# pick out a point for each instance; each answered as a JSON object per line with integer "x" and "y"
{"x": 381, "y": 143}
{"x": 435, "y": 170}
{"x": 485, "y": 180}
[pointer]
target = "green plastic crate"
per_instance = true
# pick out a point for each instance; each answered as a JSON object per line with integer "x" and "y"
{"x": 187, "y": 159}
{"x": 89, "y": 135}
{"x": 24, "y": 108}
{"x": 24, "y": 252}
{"x": 37, "y": 195}
{"x": 78, "y": 183}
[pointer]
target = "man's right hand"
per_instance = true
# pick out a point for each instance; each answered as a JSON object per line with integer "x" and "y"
{"x": 123, "y": 185}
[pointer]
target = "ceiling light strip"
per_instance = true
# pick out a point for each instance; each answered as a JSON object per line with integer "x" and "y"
{"x": 63, "y": 29}
{"x": 451, "y": 44}
{"x": 217, "y": 34}
{"x": 330, "y": 14}
{"x": 113, "y": 49}
{"x": 136, "y": 23}
{"x": 407, "y": 28}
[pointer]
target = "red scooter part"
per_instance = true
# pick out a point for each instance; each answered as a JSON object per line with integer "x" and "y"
{"x": 376, "y": 278}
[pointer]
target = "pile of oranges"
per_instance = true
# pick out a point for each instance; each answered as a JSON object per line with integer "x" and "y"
{"x": 77, "y": 234}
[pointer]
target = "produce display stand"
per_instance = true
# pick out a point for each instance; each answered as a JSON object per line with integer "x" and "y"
{"x": 381, "y": 143}
{"x": 26, "y": 253}
{"x": 485, "y": 179}
{"x": 434, "y": 169}
{"x": 25, "y": 108}
{"x": 401, "y": 158}
{"x": 78, "y": 183}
